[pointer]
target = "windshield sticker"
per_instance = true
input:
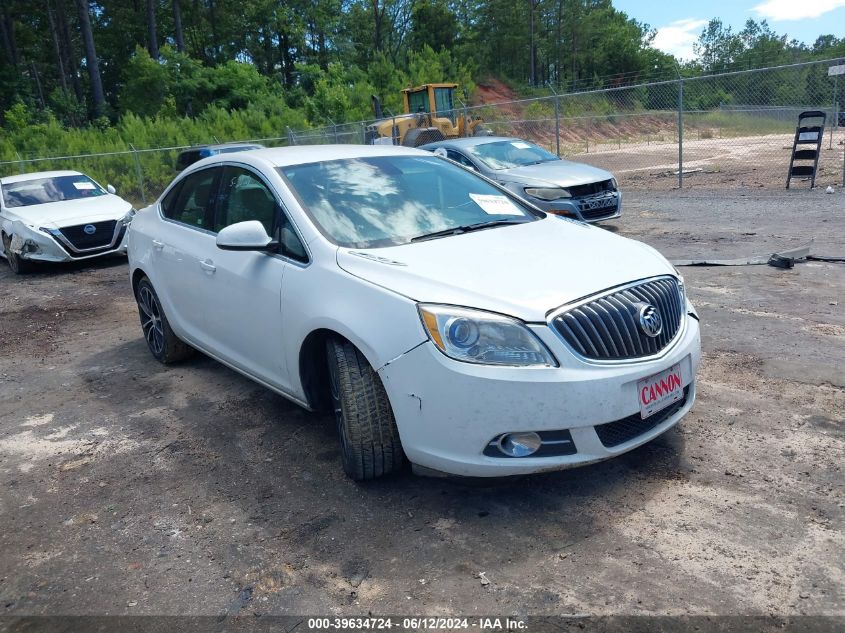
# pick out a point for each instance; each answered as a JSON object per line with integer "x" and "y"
{"x": 520, "y": 145}
{"x": 83, "y": 186}
{"x": 495, "y": 205}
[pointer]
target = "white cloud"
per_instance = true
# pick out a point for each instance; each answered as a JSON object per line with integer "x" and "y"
{"x": 678, "y": 37}
{"x": 785, "y": 10}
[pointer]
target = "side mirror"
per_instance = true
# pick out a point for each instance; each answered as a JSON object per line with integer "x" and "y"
{"x": 245, "y": 236}
{"x": 111, "y": 189}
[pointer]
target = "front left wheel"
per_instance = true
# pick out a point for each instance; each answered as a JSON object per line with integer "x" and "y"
{"x": 164, "y": 345}
{"x": 369, "y": 438}
{"x": 18, "y": 265}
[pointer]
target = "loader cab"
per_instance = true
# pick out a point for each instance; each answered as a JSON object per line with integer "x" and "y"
{"x": 438, "y": 100}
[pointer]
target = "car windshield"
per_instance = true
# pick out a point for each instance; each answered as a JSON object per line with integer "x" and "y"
{"x": 388, "y": 200}
{"x": 511, "y": 153}
{"x": 26, "y": 193}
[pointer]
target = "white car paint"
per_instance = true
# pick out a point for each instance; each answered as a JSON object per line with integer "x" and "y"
{"x": 500, "y": 273}
{"x": 254, "y": 312}
{"x": 35, "y": 230}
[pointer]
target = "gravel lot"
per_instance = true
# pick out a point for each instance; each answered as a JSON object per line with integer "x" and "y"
{"x": 127, "y": 487}
{"x": 743, "y": 162}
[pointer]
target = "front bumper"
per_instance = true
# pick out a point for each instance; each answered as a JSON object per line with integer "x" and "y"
{"x": 448, "y": 412}
{"x": 598, "y": 208}
{"x": 32, "y": 244}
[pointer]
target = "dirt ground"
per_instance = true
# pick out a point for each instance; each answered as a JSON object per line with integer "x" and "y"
{"x": 746, "y": 162}
{"x": 127, "y": 487}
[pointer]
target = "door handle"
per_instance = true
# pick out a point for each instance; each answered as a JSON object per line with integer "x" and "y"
{"x": 158, "y": 245}
{"x": 207, "y": 266}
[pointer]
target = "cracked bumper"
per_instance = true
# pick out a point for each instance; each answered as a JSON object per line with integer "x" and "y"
{"x": 585, "y": 209}
{"x": 35, "y": 245}
{"x": 447, "y": 412}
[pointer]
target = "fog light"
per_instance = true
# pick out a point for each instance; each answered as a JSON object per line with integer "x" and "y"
{"x": 519, "y": 444}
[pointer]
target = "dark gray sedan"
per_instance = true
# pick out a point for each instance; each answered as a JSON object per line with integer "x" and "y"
{"x": 557, "y": 186}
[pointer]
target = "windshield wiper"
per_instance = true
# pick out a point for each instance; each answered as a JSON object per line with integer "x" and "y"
{"x": 466, "y": 228}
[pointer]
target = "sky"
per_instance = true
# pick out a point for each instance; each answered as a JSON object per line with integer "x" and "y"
{"x": 679, "y": 24}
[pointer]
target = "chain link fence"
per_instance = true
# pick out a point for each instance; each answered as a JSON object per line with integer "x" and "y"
{"x": 733, "y": 130}
{"x": 139, "y": 174}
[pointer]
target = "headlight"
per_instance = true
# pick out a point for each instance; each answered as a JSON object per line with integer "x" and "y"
{"x": 127, "y": 219}
{"x": 614, "y": 185}
{"x": 484, "y": 338}
{"x": 548, "y": 193}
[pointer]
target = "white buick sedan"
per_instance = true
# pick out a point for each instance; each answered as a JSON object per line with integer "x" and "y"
{"x": 440, "y": 317}
{"x": 59, "y": 216}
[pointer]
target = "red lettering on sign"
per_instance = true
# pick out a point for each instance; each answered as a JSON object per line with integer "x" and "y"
{"x": 663, "y": 387}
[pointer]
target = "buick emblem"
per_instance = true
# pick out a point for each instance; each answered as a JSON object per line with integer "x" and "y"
{"x": 650, "y": 322}
{"x": 89, "y": 229}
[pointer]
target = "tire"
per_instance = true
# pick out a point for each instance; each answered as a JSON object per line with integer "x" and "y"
{"x": 422, "y": 135}
{"x": 164, "y": 345}
{"x": 19, "y": 266}
{"x": 369, "y": 439}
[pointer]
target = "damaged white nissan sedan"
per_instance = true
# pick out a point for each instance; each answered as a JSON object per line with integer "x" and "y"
{"x": 438, "y": 316}
{"x": 59, "y": 216}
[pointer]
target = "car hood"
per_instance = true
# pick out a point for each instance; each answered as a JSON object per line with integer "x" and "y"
{"x": 55, "y": 215}
{"x": 524, "y": 270}
{"x": 561, "y": 173}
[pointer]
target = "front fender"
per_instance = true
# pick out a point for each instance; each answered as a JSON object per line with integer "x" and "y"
{"x": 383, "y": 325}
{"x": 29, "y": 243}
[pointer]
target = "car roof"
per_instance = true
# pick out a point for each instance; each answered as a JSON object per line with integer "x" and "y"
{"x": 469, "y": 141}
{"x": 35, "y": 175}
{"x": 196, "y": 148}
{"x": 301, "y": 154}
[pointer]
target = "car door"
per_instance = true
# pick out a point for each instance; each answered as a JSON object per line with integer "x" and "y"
{"x": 186, "y": 240}
{"x": 243, "y": 288}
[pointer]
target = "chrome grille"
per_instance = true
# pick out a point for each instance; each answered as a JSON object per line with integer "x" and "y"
{"x": 102, "y": 235}
{"x": 601, "y": 212}
{"x": 608, "y": 328}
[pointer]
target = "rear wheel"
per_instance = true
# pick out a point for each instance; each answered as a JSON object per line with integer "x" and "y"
{"x": 19, "y": 266}
{"x": 163, "y": 343}
{"x": 422, "y": 135}
{"x": 369, "y": 439}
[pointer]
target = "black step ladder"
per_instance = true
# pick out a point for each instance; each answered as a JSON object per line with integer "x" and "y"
{"x": 808, "y": 134}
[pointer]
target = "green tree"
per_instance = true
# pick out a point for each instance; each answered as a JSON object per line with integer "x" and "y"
{"x": 146, "y": 85}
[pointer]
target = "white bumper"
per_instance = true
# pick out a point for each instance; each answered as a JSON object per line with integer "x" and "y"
{"x": 448, "y": 412}
{"x": 36, "y": 245}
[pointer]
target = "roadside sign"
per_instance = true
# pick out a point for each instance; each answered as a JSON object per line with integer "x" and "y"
{"x": 836, "y": 70}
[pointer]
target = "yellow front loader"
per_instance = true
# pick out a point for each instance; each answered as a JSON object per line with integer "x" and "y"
{"x": 430, "y": 115}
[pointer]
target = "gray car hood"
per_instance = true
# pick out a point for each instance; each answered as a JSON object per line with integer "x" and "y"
{"x": 562, "y": 173}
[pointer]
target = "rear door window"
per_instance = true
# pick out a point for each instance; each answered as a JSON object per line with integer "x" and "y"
{"x": 190, "y": 201}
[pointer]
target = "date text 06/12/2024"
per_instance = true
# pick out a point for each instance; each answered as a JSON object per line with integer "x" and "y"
{"x": 416, "y": 623}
